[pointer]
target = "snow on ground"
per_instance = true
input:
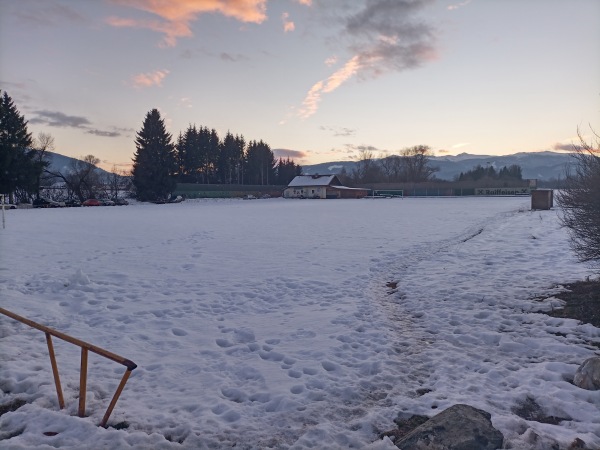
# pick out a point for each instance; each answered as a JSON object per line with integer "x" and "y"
{"x": 268, "y": 323}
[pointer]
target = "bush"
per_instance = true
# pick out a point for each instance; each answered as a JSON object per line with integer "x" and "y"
{"x": 580, "y": 201}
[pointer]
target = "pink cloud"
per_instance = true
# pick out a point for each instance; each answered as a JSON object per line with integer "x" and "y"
{"x": 287, "y": 153}
{"x": 145, "y": 80}
{"x": 313, "y": 98}
{"x": 177, "y": 15}
{"x": 288, "y": 25}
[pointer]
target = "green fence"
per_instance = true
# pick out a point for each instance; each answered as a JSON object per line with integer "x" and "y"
{"x": 190, "y": 190}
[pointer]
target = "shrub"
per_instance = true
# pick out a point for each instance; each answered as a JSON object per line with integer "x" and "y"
{"x": 580, "y": 201}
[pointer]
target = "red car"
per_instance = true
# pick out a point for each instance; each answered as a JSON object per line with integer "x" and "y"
{"x": 91, "y": 202}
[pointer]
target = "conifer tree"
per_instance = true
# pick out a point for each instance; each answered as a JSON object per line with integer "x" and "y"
{"x": 260, "y": 163}
{"x": 154, "y": 162}
{"x": 18, "y": 168}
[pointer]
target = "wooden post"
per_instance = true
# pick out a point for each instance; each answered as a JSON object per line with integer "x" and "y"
{"x": 113, "y": 402}
{"x": 61, "y": 400}
{"x": 83, "y": 381}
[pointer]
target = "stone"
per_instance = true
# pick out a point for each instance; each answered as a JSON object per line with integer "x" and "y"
{"x": 460, "y": 427}
{"x": 588, "y": 374}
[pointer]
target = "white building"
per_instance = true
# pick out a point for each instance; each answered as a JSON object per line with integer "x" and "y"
{"x": 321, "y": 186}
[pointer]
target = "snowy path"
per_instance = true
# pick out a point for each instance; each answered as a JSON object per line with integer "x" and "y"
{"x": 269, "y": 323}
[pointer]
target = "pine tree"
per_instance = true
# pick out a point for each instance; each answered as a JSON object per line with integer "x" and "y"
{"x": 260, "y": 163}
{"x": 18, "y": 167}
{"x": 154, "y": 162}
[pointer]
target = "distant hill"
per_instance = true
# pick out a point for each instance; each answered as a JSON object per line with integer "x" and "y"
{"x": 538, "y": 165}
{"x": 62, "y": 164}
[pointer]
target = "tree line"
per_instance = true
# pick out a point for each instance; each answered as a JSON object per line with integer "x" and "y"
{"x": 506, "y": 173}
{"x": 200, "y": 156}
{"x": 411, "y": 165}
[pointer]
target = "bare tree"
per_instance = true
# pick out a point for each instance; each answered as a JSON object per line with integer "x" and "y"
{"x": 43, "y": 143}
{"x": 580, "y": 200}
{"x": 116, "y": 182}
{"x": 366, "y": 170}
{"x": 416, "y": 164}
{"x": 82, "y": 178}
{"x": 392, "y": 167}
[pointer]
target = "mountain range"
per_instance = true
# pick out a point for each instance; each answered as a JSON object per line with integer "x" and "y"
{"x": 538, "y": 165}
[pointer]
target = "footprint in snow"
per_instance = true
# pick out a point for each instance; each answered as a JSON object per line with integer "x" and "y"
{"x": 178, "y": 332}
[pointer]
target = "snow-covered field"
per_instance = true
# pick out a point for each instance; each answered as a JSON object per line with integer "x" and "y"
{"x": 268, "y": 323}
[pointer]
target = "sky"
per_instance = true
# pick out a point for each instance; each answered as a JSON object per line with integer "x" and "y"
{"x": 317, "y": 80}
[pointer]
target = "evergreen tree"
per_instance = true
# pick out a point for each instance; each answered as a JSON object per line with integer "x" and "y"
{"x": 286, "y": 171}
{"x": 19, "y": 170}
{"x": 154, "y": 162}
{"x": 260, "y": 163}
{"x": 227, "y": 159}
{"x": 240, "y": 159}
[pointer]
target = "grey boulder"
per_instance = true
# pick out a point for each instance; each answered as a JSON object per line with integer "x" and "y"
{"x": 460, "y": 427}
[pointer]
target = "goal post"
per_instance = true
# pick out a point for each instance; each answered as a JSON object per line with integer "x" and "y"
{"x": 390, "y": 193}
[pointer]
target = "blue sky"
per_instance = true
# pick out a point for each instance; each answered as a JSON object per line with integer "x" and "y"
{"x": 321, "y": 79}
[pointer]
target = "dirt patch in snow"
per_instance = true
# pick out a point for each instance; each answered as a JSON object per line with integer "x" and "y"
{"x": 582, "y": 302}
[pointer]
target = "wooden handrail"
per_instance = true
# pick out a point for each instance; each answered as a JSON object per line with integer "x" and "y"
{"x": 85, "y": 348}
{"x": 65, "y": 337}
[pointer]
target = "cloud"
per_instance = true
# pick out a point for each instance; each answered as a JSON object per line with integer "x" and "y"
{"x": 61, "y": 120}
{"x": 458, "y": 5}
{"x": 145, "y": 80}
{"x": 461, "y": 144}
{"x": 305, "y": 2}
{"x": 58, "y": 119}
{"x": 288, "y": 25}
{"x": 566, "y": 147}
{"x": 232, "y": 58}
{"x": 185, "y": 102}
{"x": 286, "y": 153}
{"x": 313, "y": 98}
{"x": 177, "y": 15}
{"x": 331, "y": 61}
{"x": 339, "y": 131}
{"x": 382, "y": 36}
{"x": 103, "y": 133}
{"x": 45, "y": 14}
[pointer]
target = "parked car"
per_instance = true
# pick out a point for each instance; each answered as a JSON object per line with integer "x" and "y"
{"x": 249, "y": 197}
{"x": 73, "y": 203}
{"x": 91, "y": 202}
{"x": 46, "y": 203}
{"x": 9, "y": 206}
{"x": 121, "y": 202}
{"x": 106, "y": 202}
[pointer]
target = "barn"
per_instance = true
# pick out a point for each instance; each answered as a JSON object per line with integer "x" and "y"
{"x": 321, "y": 186}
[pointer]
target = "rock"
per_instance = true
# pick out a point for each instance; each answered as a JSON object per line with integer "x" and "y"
{"x": 577, "y": 444}
{"x": 588, "y": 374}
{"x": 460, "y": 427}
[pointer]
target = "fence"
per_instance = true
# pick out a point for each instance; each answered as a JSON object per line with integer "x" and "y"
{"x": 85, "y": 348}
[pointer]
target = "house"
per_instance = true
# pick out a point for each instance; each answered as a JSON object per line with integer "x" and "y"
{"x": 321, "y": 186}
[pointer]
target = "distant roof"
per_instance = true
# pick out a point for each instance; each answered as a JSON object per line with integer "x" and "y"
{"x": 315, "y": 180}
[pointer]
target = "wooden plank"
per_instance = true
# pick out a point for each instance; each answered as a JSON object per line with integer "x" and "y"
{"x": 83, "y": 381}
{"x": 113, "y": 402}
{"x": 61, "y": 400}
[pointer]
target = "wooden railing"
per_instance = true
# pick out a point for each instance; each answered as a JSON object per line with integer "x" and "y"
{"x": 85, "y": 348}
